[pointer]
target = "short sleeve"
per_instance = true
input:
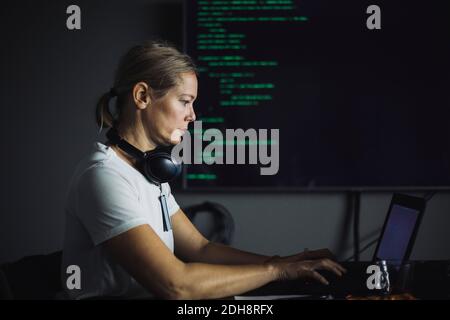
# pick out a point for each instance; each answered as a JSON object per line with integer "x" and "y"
{"x": 108, "y": 204}
{"x": 172, "y": 204}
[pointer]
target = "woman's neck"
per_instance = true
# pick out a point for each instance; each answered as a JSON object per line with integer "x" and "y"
{"x": 136, "y": 136}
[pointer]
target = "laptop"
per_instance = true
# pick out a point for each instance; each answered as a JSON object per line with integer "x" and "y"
{"x": 400, "y": 229}
{"x": 394, "y": 245}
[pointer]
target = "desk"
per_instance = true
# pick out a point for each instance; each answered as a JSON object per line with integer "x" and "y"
{"x": 427, "y": 280}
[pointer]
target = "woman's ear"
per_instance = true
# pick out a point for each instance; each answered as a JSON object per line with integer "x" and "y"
{"x": 141, "y": 95}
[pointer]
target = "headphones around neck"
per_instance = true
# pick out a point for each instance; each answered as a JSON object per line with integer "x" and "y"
{"x": 156, "y": 165}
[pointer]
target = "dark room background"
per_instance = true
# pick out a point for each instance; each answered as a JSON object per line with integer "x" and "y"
{"x": 51, "y": 79}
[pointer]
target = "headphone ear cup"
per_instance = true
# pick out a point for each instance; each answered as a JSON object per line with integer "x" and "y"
{"x": 159, "y": 167}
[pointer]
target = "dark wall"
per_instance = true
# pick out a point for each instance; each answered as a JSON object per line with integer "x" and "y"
{"x": 50, "y": 80}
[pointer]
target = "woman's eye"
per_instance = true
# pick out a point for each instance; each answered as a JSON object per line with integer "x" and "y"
{"x": 185, "y": 102}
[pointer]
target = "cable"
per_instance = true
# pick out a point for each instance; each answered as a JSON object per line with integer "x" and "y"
{"x": 223, "y": 226}
{"x": 356, "y": 196}
{"x": 354, "y": 199}
{"x": 367, "y": 246}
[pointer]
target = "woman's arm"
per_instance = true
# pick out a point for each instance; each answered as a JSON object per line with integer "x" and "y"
{"x": 141, "y": 252}
{"x": 146, "y": 258}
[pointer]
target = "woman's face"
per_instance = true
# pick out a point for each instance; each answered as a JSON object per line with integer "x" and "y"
{"x": 167, "y": 118}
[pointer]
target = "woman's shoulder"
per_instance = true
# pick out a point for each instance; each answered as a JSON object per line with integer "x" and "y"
{"x": 100, "y": 164}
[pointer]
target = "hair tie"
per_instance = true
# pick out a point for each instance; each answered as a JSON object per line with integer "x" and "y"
{"x": 113, "y": 92}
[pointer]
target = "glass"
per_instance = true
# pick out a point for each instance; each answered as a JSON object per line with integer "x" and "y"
{"x": 404, "y": 279}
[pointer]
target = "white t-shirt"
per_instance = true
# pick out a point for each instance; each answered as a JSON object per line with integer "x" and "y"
{"x": 107, "y": 197}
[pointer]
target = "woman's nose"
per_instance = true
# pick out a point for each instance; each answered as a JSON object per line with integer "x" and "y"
{"x": 191, "y": 116}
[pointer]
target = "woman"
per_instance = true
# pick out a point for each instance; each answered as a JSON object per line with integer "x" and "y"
{"x": 115, "y": 228}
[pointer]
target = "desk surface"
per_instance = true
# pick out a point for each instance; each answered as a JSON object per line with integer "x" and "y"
{"x": 427, "y": 280}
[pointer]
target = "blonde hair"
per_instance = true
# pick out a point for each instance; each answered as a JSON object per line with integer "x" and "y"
{"x": 156, "y": 63}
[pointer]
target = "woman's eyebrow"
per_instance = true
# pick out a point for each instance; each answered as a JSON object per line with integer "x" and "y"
{"x": 189, "y": 95}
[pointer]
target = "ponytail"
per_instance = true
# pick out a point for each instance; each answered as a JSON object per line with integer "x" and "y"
{"x": 103, "y": 115}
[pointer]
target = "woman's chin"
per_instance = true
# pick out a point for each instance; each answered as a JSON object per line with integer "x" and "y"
{"x": 176, "y": 137}
{"x": 172, "y": 142}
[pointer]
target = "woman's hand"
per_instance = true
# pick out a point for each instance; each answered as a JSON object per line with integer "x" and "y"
{"x": 307, "y": 269}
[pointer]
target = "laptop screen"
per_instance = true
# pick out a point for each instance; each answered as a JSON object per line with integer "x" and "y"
{"x": 397, "y": 234}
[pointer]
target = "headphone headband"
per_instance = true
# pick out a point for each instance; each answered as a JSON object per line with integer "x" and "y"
{"x": 114, "y": 137}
